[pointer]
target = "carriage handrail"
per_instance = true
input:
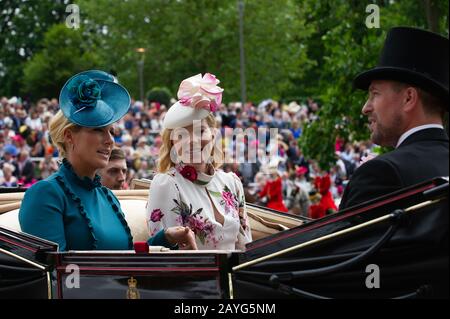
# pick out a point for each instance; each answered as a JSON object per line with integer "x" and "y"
{"x": 334, "y": 235}
{"x": 421, "y": 291}
{"x": 275, "y": 278}
{"x": 32, "y": 263}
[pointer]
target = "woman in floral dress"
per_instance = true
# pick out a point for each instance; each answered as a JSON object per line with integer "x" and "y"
{"x": 189, "y": 190}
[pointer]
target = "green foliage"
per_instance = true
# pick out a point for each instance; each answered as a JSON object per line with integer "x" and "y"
{"x": 64, "y": 53}
{"x": 22, "y": 28}
{"x": 187, "y": 37}
{"x": 342, "y": 48}
{"x": 159, "y": 94}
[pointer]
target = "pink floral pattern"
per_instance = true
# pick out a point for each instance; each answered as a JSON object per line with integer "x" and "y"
{"x": 202, "y": 227}
{"x": 156, "y": 215}
{"x": 194, "y": 207}
{"x": 228, "y": 199}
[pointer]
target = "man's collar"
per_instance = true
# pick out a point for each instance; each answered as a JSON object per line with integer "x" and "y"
{"x": 414, "y": 130}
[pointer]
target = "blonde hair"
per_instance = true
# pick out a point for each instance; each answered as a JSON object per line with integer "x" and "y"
{"x": 57, "y": 126}
{"x": 164, "y": 161}
{"x": 9, "y": 167}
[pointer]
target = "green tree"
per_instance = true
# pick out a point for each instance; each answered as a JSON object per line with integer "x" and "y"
{"x": 187, "y": 37}
{"x": 65, "y": 52}
{"x": 159, "y": 94}
{"x": 22, "y": 27}
{"x": 347, "y": 48}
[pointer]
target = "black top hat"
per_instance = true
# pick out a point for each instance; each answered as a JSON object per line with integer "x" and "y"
{"x": 412, "y": 56}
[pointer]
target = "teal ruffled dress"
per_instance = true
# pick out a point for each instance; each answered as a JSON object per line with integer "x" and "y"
{"x": 75, "y": 213}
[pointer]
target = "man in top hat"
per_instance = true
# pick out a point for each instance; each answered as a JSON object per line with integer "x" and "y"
{"x": 408, "y": 98}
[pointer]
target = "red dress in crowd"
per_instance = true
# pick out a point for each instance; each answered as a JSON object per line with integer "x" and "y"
{"x": 326, "y": 203}
{"x": 273, "y": 190}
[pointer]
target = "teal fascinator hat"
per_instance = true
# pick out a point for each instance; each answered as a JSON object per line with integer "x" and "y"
{"x": 94, "y": 99}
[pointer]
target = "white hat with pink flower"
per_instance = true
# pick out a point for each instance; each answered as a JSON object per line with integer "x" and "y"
{"x": 198, "y": 96}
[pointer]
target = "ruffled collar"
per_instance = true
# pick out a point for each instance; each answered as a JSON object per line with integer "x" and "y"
{"x": 196, "y": 177}
{"x": 84, "y": 182}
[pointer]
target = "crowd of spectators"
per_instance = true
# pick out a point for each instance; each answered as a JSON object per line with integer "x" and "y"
{"x": 298, "y": 184}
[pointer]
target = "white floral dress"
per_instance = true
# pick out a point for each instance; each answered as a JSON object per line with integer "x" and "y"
{"x": 182, "y": 197}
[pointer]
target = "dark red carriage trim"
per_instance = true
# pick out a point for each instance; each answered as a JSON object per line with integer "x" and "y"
{"x": 19, "y": 244}
{"x": 59, "y": 277}
{"x": 142, "y": 269}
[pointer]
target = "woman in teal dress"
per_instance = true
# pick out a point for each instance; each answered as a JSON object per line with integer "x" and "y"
{"x": 71, "y": 207}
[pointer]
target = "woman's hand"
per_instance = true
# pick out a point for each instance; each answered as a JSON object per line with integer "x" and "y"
{"x": 183, "y": 236}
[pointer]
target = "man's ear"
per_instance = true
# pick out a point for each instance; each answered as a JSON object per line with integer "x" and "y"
{"x": 410, "y": 98}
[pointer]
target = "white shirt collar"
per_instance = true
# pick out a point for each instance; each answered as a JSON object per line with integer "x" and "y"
{"x": 416, "y": 129}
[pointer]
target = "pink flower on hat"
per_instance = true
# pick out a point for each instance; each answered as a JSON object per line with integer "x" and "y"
{"x": 201, "y": 92}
